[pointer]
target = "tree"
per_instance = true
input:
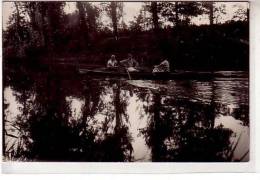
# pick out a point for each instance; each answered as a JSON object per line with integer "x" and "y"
{"x": 219, "y": 11}
{"x": 209, "y": 8}
{"x": 169, "y": 12}
{"x": 180, "y": 12}
{"x": 83, "y": 28}
{"x": 16, "y": 35}
{"x": 93, "y": 13}
{"x": 18, "y": 21}
{"x": 138, "y": 24}
{"x": 214, "y": 10}
{"x": 115, "y": 12}
{"x": 155, "y": 18}
{"x": 188, "y": 10}
{"x": 146, "y": 20}
{"x": 46, "y": 21}
{"x": 54, "y": 23}
{"x": 88, "y": 15}
{"x": 241, "y": 14}
{"x": 35, "y": 26}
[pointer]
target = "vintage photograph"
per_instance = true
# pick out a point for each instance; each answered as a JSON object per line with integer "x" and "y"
{"x": 101, "y": 81}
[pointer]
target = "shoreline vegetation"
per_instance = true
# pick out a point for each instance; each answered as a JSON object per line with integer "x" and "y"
{"x": 50, "y": 36}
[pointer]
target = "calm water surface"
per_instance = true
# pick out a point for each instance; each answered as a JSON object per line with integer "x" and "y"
{"x": 48, "y": 118}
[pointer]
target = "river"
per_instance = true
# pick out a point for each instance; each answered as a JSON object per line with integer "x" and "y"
{"x": 49, "y": 118}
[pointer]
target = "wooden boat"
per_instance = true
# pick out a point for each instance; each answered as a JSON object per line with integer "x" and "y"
{"x": 108, "y": 73}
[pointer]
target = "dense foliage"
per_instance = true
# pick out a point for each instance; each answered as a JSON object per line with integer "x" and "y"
{"x": 161, "y": 30}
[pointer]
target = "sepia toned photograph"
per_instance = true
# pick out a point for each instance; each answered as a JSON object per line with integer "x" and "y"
{"x": 101, "y": 81}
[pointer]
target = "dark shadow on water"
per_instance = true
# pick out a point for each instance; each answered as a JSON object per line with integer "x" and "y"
{"x": 178, "y": 129}
{"x": 46, "y": 134}
{"x": 184, "y": 131}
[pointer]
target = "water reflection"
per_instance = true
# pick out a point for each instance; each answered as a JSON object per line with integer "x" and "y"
{"x": 55, "y": 119}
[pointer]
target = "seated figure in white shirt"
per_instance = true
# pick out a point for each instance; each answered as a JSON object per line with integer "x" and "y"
{"x": 112, "y": 62}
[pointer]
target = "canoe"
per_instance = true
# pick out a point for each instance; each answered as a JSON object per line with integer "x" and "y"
{"x": 105, "y": 73}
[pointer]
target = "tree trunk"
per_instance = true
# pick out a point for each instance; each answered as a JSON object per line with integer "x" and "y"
{"x": 113, "y": 6}
{"x": 211, "y": 13}
{"x": 82, "y": 23}
{"x": 91, "y": 17}
{"x": 32, "y": 10}
{"x": 247, "y": 15}
{"x": 17, "y": 21}
{"x": 177, "y": 20}
{"x": 117, "y": 108}
{"x": 154, "y": 10}
{"x": 157, "y": 137}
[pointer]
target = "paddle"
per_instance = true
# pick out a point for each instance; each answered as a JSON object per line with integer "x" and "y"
{"x": 128, "y": 73}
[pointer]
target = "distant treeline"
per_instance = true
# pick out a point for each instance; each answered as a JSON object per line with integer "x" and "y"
{"x": 222, "y": 46}
{"x": 51, "y": 34}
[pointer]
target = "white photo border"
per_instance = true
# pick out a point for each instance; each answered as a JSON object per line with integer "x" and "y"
{"x": 154, "y": 167}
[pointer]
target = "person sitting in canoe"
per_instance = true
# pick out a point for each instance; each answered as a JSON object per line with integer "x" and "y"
{"x": 130, "y": 63}
{"x": 112, "y": 63}
{"x": 164, "y": 66}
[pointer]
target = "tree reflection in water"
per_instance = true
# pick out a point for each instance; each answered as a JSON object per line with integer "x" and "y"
{"x": 177, "y": 129}
{"x": 46, "y": 131}
{"x": 181, "y": 131}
